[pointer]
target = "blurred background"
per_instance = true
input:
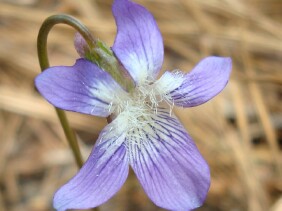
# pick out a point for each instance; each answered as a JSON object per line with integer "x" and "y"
{"x": 239, "y": 132}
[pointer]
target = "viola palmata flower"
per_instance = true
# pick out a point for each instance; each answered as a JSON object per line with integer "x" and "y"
{"x": 144, "y": 132}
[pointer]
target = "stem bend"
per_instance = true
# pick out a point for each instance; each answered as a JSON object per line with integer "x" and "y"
{"x": 44, "y": 64}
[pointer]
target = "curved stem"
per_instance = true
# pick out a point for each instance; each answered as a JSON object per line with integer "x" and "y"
{"x": 48, "y": 25}
{"x": 44, "y": 63}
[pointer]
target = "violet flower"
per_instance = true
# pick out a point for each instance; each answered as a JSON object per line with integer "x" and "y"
{"x": 144, "y": 133}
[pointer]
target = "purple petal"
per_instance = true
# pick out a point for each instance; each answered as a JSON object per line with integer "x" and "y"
{"x": 204, "y": 82}
{"x": 138, "y": 44}
{"x": 100, "y": 178}
{"x": 168, "y": 164}
{"x": 80, "y": 45}
{"x": 83, "y": 88}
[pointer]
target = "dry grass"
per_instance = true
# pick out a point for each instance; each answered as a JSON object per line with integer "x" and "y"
{"x": 239, "y": 132}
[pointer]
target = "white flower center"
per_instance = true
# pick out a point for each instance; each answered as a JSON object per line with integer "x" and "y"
{"x": 135, "y": 111}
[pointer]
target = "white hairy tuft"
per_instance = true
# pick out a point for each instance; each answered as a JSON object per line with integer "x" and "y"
{"x": 134, "y": 113}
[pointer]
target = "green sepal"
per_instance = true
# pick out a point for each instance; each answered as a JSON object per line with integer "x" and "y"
{"x": 104, "y": 57}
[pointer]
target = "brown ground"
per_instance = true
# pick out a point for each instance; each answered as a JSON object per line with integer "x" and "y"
{"x": 239, "y": 132}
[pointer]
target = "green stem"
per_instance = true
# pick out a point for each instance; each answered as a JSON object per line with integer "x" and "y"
{"x": 71, "y": 137}
{"x": 44, "y": 64}
{"x": 48, "y": 25}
